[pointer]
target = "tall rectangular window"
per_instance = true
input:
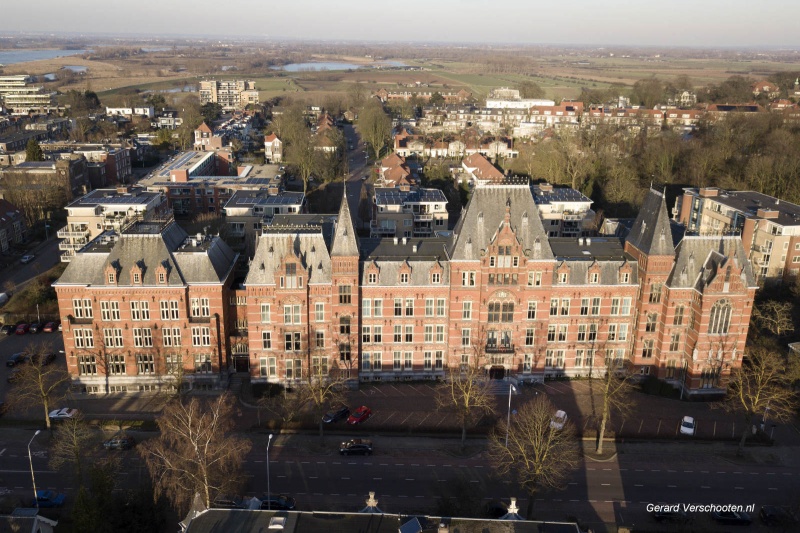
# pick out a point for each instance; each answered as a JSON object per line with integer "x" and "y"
{"x": 595, "y": 306}
{"x": 377, "y": 307}
{"x": 615, "y": 306}
{"x": 87, "y": 365}
{"x": 553, "y": 306}
{"x": 174, "y": 310}
{"x": 584, "y": 306}
{"x": 677, "y": 320}
{"x": 266, "y": 315}
{"x": 345, "y": 294}
{"x": 319, "y": 311}
{"x": 116, "y": 364}
{"x": 266, "y": 340}
{"x": 366, "y": 308}
{"x": 529, "y": 337}
{"x": 398, "y": 307}
{"x": 145, "y": 363}
{"x": 429, "y": 306}
{"x": 377, "y": 334}
{"x": 409, "y": 307}
{"x": 441, "y": 307}
{"x": 466, "y": 310}
{"x": 531, "y": 310}
{"x": 655, "y": 293}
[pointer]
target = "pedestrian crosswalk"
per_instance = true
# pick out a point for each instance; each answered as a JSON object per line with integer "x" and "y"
{"x": 499, "y": 387}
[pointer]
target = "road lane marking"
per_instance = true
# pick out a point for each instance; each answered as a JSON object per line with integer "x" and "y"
{"x": 638, "y": 485}
{"x": 672, "y": 486}
{"x": 409, "y": 479}
{"x": 2, "y": 451}
{"x": 704, "y": 487}
{"x": 772, "y": 488}
{"x": 605, "y": 484}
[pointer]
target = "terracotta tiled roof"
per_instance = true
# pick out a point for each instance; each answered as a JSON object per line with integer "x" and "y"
{"x": 204, "y": 127}
{"x": 270, "y": 138}
{"x": 484, "y": 170}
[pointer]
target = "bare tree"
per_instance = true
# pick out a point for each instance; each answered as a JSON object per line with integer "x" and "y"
{"x": 466, "y": 388}
{"x": 325, "y": 386}
{"x": 614, "y": 388}
{"x": 195, "y": 451}
{"x": 761, "y": 385}
{"x": 71, "y": 446}
{"x": 375, "y": 126}
{"x": 38, "y": 382}
{"x": 286, "y": 405}
{"x": 773, "y": 316}
{"x": 538, "y": 455}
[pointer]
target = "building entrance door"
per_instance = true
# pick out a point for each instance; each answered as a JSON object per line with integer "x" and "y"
{"x": 241, "y": 363}
{"x": 497, "y": 372}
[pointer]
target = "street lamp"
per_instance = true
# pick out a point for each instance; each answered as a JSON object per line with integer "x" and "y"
{"x": 30, "y": 459}
{"x": 269, "y": 494}
{"x": 511, "y": 389}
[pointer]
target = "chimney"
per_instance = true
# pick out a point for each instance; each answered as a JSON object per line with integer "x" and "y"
{"x": 414, "y": 248}
{"x": 588, "y": 241}
{"x": 123, "y": 189}
{"x": 580, "y": 241}
{"x": 395, "y": 240}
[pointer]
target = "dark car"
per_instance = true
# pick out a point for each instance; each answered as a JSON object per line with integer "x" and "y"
{"x": 278, "y": 502}
{"x": 22, "y": 329}
{"x": 48, "y": 498}
{"x": 51, "y": 327}
{"x": 36, "y": 327}
{"x": 732, "y": 518}
{"x": 356, "y": 447}
{"x": 9, "y": 329}
{"x": 336, "y": 415}
{"x": 773, "y": 515}
{"x": 13, "y": 375}
{"x": 120, "y": 442}
{"x": 17, "y": 359}
{"x": 360, "y": 415}
{"x": 47, "y": 358}
{"x": 669, "y": 513}
{"x": 228, "y": 502}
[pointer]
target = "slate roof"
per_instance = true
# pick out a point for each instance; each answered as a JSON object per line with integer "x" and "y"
{"x": 277, "y": 242}
{"x": 651, "y": 232}
{"x": 390, "y": 257}
{"x": 485, "y": 213}
{"x": 699, "y": 258}
{"x": 149, "y": 245}
{"x": 344, "y": 236}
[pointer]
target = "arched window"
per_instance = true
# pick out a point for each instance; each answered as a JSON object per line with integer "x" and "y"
{"x": 720, "y": 318}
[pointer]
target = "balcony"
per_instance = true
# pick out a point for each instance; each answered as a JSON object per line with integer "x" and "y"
{"x": 382, "y": 229}
{"x": 499, "y": 348}
{"x": 572, "y": 216}
{"x": 71, "y": 246}
{"x": 422, "y": 217}
{"x": 65, "y": 233}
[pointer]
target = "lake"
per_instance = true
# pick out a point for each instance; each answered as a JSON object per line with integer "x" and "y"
{"x": 9, "y": 57}
{"x": 299, "y": 67}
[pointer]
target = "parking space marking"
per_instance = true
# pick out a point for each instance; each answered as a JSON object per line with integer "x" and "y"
{"x": 424, "y": 419}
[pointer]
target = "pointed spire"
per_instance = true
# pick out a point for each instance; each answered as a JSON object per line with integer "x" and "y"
{"x": 344, "y": 236}
{"x": 651, "y": 232}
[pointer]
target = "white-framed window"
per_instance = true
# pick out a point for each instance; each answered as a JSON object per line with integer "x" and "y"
{"x": 171, "y": 336}
{"x": 428, "y": 334}
{"x": 291, "y": 314}
{"x": 201, "y": 336}
{"x": 468, "y": 279}
{"x": 112, "y": 337}
{"x": 142, "y": 338}
{"x": 366, "y": 334}
{"x": 466, "y": 310}
{"x": 116, "y": 364}
{"x": 439, "y": 334}
{"x": 466, "y": 337}
{"x": 527, "y": 363}
{"x": 202, "y": 363}
{"x": 404, "y": 278}
{"x": 594, "y": 278}
{"x": 366, "y": 365}
{"x": 266, "y": 314}
{"x": 595, "y": 306}
{"x": 145, "y": 363}
{"x": 408, "y": 359}
{"x": 427, "y": 360}
{"x": 377, "y": 361}
{"x": 294, "y": 369}
{"x": 534, "y": 279}
{"x": 622, "y": 332}
{"x": 82, "y": 308}
{"x": 266, "y": 340}
{"x": 200, "y": 307}
{"x": 397, "y": 361}
{"x": 720, "y": 319}
{"x": 87, "y": 365}
{"x": 531, "y": 310}
{"x": 529, "y": 337}
{"x": 366, "y": 308}
{"x": 377, "y": 307}
{"x": 436, "y": 278}
{"x": 268, "y": 366}
{"x": 319, "y": 311}
{"x": 174, "y": 310}
{"x": 84, "y": 338}
{"x": 429, "y": 306}
{"x": 626, "y": 307}
{"x": 615, "y": 306}
{"x": 441, "y": 307}
{"x": 140, "y": 310}
{"x": 372, "y": 278}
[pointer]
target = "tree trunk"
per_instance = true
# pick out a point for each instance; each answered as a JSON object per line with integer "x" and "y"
{"x": 463, "y": 435}
{"x": 320, "y": 430}
{"x": 46, "y": 415}
{"x": 529, "y": 508}
{"x": 600, "y": 432}
{"x": 740, "y": 451}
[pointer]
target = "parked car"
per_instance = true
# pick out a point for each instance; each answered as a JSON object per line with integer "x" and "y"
{"x": 228, "y": 502}
{"x": 361, "y": 414}
{"x": 120, "y": 442}
{"x": 13, "y": 375}
{"x": 558, "y": 420}
{"x": 48, "y": 498}
{"x": 22, "y": 329}
{"x": 356, "y": 447}
{"x": 278, "y": 502}
{"x": 36, "y": 327}
{"x": 27, "y": 259}
{"x": 772, "y": 515}
{"x": 47, "y": 358}
{"x": 63, "y": 413}
{"x": 732, "y": 518}
{"x": 337, "y": 414}
{"x": 687, "y": 425}
{"x": 9, "y": 329}
{"x": 16, "y": 359}
{"x": 495, "y": 509}
{"x": 51, "y": 327}
{"x": 669, "y": 513}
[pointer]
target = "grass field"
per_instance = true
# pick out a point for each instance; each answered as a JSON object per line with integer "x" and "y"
{"x": 560, "y": 75}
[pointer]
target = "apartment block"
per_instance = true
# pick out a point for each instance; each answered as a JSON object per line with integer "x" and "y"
{"x": 414, "y": 212}
{"x": 768, "y": 227}
{"x": 565, "y": 212}
{"x": 248, "y": 211}
{"x": 105, "y": 210}
{"x": 230, "y": 94}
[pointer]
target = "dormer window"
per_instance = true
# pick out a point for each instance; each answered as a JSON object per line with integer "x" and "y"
{"x": 372, "y": 278}
{"x": 112, "y": 278}
{"x": 594, "y": 277}
{"x": 137, "y": 278}
{"x": 436, "y": 278}
{"x": 404, "y": 278}
{"x": 563, "y": 277}
{"x": 625, "y": 277}
{"x": 162, "y": 277}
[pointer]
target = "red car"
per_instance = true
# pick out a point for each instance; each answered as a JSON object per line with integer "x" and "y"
{"x": 50, "y": 327}
{"x": 360, "y": 415}
{"x": 22, "y": 329}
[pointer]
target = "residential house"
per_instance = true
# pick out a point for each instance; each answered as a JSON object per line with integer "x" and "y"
{"x": 411, "y": 212}
{"x": 273, "y": 149}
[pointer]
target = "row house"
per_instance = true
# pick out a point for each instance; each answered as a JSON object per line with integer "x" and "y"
{"x": 497, "y": 292}
{"x": 768, "y": 227}
{"x": 566, "y": 116}
{"x": 145, "y": 309}
{"x": 13, "y": 228}
{"x": 116, "y": 157}
{"x": 449, "y": 96}
{"x": 395, "y": 172}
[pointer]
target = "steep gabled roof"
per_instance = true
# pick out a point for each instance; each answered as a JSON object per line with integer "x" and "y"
{"x": 344, "y": 236}
{"x": 204, "y": 127}
{"x": 651, "y": 233}
{"x": 484, "y": 215}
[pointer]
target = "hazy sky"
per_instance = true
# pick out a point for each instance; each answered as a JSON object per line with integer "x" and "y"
{"x": 637, "y": 22}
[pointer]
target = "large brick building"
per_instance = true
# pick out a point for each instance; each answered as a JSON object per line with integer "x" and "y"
{"x": 497, "y": 292}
